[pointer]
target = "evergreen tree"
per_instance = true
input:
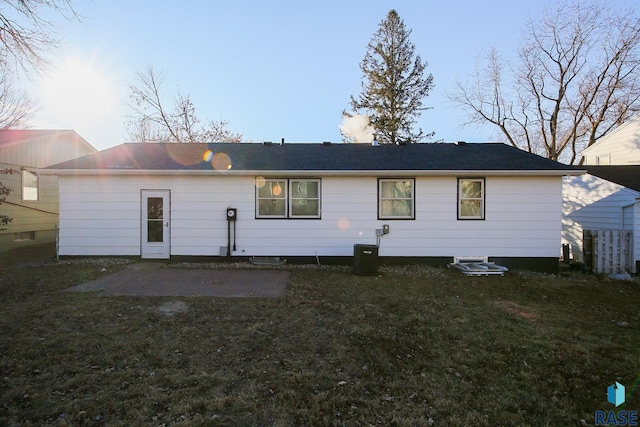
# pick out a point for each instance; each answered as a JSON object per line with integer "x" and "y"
{"x": 393, "y": 83}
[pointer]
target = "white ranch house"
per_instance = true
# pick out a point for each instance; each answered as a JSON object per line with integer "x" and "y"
{"x": 314, "y": 201}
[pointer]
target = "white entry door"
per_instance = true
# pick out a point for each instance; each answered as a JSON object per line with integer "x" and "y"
{"x": 156, "y": 223}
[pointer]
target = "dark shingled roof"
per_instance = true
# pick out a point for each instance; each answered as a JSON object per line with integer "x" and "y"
{"x": 313, "y": 157}
{"x": 625, "y": 175}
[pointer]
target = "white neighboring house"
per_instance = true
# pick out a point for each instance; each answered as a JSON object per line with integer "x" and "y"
{"x": 33, "y": 202}
{"x": 314, "y": 201}
{"x": 619, "y": 147}
{"x": 605, "y": 198}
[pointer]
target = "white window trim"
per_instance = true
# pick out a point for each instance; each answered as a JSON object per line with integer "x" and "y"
{"x": 265, "y": 181}
{"x": 290, "y": 198}
{"x": 481, "y": 198}
{"x": 288, "y": 212}
{"x": 412, "y": 198}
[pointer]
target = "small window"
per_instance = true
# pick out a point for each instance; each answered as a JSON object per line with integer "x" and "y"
{"x": 471, "y": 198}
{"x": 284, "y": 198}
{"x": 396, "y": 198}
{"x": 29, "y": 186}
{"x": 25, "y": 235}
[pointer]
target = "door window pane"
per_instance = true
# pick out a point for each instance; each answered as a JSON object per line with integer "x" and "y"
{"x": 154, "y": 208}
{"x": 154, "y": 231}
{"x": 155, "y": 219}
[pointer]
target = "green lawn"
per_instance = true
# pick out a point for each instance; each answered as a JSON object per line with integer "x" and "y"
{"x": 414, "y": 346}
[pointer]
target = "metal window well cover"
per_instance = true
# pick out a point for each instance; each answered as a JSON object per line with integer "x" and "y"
{"x": 267, "y": 260}
{"x": 477, "y": 266}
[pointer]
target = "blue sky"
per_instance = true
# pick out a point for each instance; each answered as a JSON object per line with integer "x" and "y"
{"x": 277, "y": 69}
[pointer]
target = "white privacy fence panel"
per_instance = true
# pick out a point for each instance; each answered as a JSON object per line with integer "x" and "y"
{"x": 608, "y": 251}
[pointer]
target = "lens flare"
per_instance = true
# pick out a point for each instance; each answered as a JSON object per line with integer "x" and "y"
{"x": 343, "y": 224}
{"x": 276, "y": 190}
{"x": 185, "y": 154}
{"x": 221, "y": 161}
{"x": 207, "y": 156}
{"x": 260, "y": 182}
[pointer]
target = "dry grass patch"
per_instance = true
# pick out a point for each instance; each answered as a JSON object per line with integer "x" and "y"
{"x": 414, "y": 346}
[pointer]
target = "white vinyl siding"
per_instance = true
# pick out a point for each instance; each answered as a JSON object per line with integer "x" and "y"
{"x": 590, "y": 202}
{"x": 39, "y": 149}
{"x": 619, "y": 147}
{"x": 101, "y": 216}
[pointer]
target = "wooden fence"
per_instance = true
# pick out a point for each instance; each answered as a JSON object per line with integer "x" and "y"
{"x": 608, "y": 251}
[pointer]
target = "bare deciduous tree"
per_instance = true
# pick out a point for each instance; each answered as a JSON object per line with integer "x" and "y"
{"x": 15, "y": 107}
{"x": 574, "y": 79}
{"x": 26, "y": 35}
{"x": 26, "y": 38}
{"x": 152, "y": 121}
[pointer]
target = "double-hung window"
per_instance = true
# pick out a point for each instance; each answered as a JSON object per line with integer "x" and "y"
{"x": 471, "y": 198}
{"x": 271, "y": 198}
{"x": 305, "y": 198}
{"x": 396, "y": 198}
{"x": 288, "y": 198}
{"x": 29, "y": 186}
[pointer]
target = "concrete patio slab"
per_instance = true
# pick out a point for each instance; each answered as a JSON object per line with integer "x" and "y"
{"x": 150, "y": 279}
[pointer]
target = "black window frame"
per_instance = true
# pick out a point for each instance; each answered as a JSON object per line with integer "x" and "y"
{"x": 483, "y": 199}
{"x": 288, "y": 198}
{"x": 412, "y": 199}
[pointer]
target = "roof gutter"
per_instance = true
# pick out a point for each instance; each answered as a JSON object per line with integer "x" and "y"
{"x": 315, "y": 172}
